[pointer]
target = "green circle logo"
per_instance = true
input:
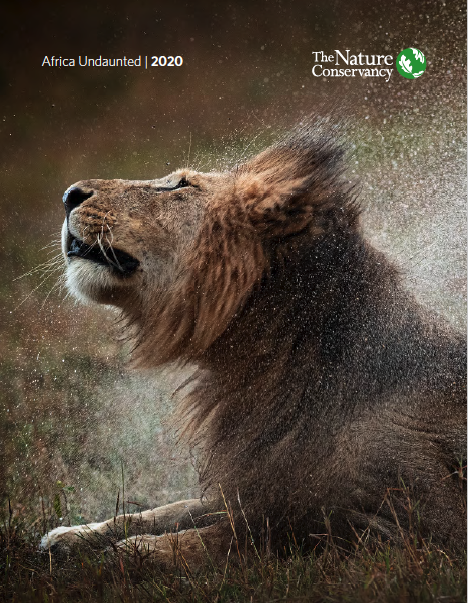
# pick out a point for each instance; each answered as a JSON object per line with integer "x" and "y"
{"x": 411, "y": 63}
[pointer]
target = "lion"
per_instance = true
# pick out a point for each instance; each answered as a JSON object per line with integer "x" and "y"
{"x": 324, "y": 397}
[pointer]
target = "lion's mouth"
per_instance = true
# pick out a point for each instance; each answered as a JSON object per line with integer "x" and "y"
{"x": 119, "y": 260}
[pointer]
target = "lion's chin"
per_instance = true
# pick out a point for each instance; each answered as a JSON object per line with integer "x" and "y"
{"x": 94, "y": 277}
{"x": 93, "y": 283}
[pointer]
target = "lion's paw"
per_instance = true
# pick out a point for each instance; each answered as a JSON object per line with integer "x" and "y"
{"x": 64, "y": 538}
{"x": 144, "y": 543}
{"x": 158, "y": 550}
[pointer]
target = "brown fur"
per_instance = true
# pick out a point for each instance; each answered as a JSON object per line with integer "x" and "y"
{"x": 321, "y": 382}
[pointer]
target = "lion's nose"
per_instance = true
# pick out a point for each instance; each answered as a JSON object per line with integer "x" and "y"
{"x": 73, "y": 197}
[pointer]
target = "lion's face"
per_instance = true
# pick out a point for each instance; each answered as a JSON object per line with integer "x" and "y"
{"x": 122, "y": 237}
{"x": 181, "y": 255}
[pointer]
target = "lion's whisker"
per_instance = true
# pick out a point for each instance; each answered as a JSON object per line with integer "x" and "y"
{"x": 57, "y": 285}
{"x": 49, "y": 266}
{"x": 44, "y": 279}
{"x": 103, "y": 251}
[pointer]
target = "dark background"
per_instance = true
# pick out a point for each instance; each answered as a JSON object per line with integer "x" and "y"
{"x": 70, "y": 413}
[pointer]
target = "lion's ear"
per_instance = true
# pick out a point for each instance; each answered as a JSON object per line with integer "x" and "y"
{"x": 295, "y": 185}
{"x": 276, "y": 209}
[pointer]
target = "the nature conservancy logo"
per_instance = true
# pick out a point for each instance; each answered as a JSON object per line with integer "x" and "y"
{"x": 411, "y": 63}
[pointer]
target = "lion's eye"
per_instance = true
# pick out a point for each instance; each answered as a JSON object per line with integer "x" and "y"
{"x": 183, "y": 182}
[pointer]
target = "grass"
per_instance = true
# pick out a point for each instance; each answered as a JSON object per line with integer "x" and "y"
{"x": 415, "y": 570}
{"x": 381, "y": 572}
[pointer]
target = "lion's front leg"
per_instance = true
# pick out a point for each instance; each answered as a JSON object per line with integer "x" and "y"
{"x": 169, "y": 518}
{"x": 188, "y": 550}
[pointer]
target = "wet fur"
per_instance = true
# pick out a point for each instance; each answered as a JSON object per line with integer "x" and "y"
{"x": 321, "y": 382}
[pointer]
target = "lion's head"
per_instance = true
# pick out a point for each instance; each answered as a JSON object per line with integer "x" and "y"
{"x": 181, "y": 254}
